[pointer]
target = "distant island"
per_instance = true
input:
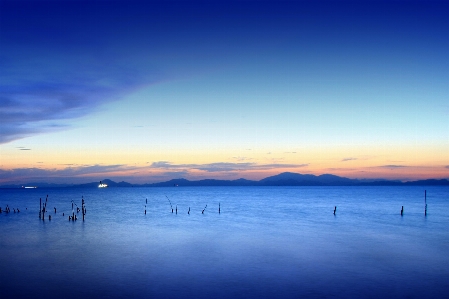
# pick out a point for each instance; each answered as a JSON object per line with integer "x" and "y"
{"x": 282, "y": 179}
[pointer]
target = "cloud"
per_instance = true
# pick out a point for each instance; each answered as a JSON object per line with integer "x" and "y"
{"x": 340, "y": 169}
{"x": 32, "y": 102}
{"x": 211, "y": 167}
{"x": 40, "y": 174}
{"x": 447, "y": 167}
{"x": 348, "y": 159}
{"x": 48, "y": 78}
{"x": 392, "y": 166}
{"x": 224, "y": 166}
{"x": 239, "y": 158}
{"x": 161, "y": 164}
{"x": 167, "y": 175}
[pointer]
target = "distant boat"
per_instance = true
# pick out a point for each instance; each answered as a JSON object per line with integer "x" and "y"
{"x": 29, "y": 187}
{"x": 102, "y": 185}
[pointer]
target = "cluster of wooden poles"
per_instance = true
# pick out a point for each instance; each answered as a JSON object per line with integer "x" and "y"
{"x": 73, "y": 217}
{"x": 83, "y": 210}
{"x": 8, "y": 210}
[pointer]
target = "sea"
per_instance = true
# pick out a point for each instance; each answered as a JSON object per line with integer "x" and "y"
{"x": 226, "y": 242}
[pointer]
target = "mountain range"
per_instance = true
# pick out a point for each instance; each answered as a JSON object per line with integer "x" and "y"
{"x": 282, "y": 179}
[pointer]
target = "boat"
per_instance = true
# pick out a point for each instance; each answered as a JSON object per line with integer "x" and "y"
{"x": 102, "y": 185}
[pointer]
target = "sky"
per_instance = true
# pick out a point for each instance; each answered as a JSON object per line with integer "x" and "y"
{"x": 147, "y": 91}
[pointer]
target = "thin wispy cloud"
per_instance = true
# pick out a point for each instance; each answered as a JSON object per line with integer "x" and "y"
{"x": 224, "y": 166}
{"x": 340, "y": 169}
{"x": 238, "y": 158}
{"x": 392, "y": 166}
{"x": 348, "y": 159}
{"x": 211, "y": 167}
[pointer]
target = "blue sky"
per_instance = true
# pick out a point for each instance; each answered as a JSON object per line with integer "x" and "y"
{"x": 147, "y": 91}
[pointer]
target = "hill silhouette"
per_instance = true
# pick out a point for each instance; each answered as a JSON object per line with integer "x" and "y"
{"x": 282, "y": 179}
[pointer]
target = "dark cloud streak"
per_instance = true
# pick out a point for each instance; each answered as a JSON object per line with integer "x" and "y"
{"x": 392, "y": 166}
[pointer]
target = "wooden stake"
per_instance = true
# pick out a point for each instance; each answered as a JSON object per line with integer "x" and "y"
{"x": 83, "y": 207}
{"x": 425, "y": 202}
{"x": 44, "y": 209}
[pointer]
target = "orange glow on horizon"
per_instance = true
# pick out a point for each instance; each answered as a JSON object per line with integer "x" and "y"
{"x": 136, "y": 164}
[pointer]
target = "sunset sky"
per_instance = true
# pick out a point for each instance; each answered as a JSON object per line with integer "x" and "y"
{"x": 149, "y": 91}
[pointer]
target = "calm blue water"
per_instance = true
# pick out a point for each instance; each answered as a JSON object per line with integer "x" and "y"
{"x": 268, "y": 242}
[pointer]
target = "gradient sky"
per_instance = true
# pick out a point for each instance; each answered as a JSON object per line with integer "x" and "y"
{"x": 148, "y": 91}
